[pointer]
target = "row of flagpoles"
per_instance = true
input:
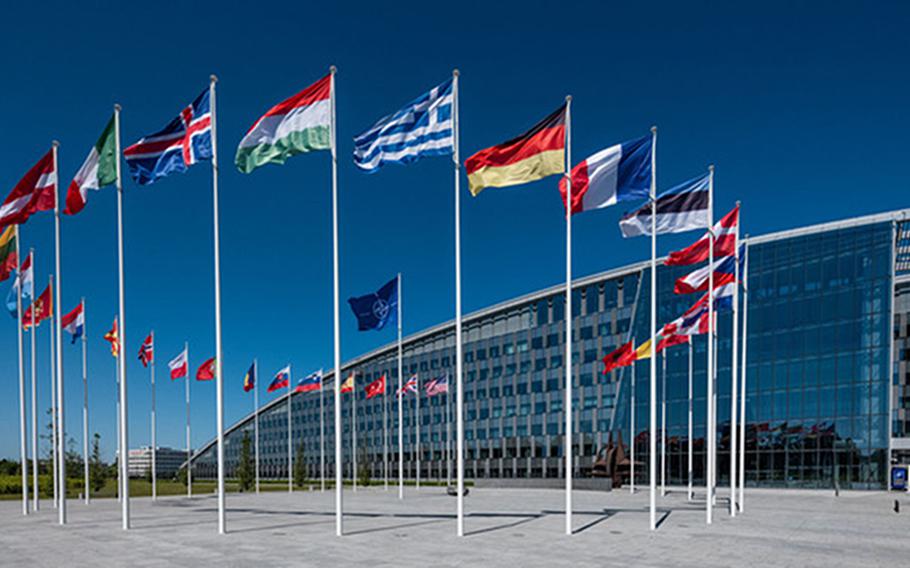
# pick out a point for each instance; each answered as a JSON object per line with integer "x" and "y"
{"x": 427, "y": 126}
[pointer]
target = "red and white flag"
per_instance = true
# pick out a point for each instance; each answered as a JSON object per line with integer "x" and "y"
{"x": 724, "y": 243}
{"x": 206, "y": 371}
{"x": 410, "y": 386}
{"x": 179, "y": 366}
{"x": 376, "y": 388}
{"x": 34, "y": 192}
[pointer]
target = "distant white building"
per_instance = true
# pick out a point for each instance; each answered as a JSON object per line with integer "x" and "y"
{"x": 169, "y": 461}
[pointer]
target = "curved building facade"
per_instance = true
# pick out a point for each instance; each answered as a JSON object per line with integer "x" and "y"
{"x": 827, "y": 396}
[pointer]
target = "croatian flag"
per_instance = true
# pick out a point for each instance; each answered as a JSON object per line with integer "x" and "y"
{"x": 179, "y": 365}
{"x": 724, "y": 243}
{"x": 74, "y": 322}
{"x": 185, "y": 141}
{"x": 618, "y": 173}
{"x": 282, "y": 380}
{"x": 423, "y": 127}
{"x": 311, "y": 382}
{"x": 679, "y": 209}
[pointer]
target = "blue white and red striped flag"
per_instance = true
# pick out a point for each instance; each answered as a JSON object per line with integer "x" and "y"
{"x": 437, "y": 386}
{"x": 74, "y": 322}
{"x": 281, "y": 380}
{"x": 185, "y": 141}
{"x": 311, "y": 382}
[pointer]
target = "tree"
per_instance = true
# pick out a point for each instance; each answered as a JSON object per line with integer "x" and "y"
{"x": 97, "y": 470}
{"x": 363, "y": 468}
{"x": 299, "y": 466}
{"x": 246, "y": 473}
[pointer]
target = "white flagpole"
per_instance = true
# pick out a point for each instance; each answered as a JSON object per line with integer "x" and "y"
{"x": 121, "y": 335}
{"x": 632, "y": 431}
{"x": 119, "y": 449}
{"x": 734, "y": 379}
{"x": 339, "y": 513}
{"x": 663, "y": 423}
{"x": 189, "y": 447}
{"x": 417, "y": 446}
{"x": 400, "y": 402}
{"x": 567, "y": 449}
{"x": 290, "y": 433}
{"x": 32, "y": 332}
{"x": 459, "y": 397}
{"x": 689, "y": 444}
{"x": 85, "y": 409}
{"x": 652, "y": 442}
{"x": 256, "y": 415}
{"x": 710, "y": 434}
{"x": 321, "y": 436}
{"x": 61, "y": 423}
{"x": 354, "y": 433}
{"x": 448, "y": 432}
{"x": 154, "y": 425}
{"x": 385, "y": 431}
{"x": 742, "y": 403}
{"x": 53, "y": 362}
{"x": 23, "y": 419}
{"x": 219, "y": 378}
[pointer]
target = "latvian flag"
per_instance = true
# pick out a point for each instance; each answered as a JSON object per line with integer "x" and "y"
{"x": 619, "y": 173}
{"x": 410, "y": 386}
{"x": 536, "y": 154}
{"x": 311, "y": 382}
{"x": 98, "y": 170}
{"x": 281, "y": 381}
{"x": 74, "y": 322}
{"x": 147, "y": 350}
{"x": 179, "y": 365}
{"x": 682, "y": 208}
{"x": 376, "y": 388}
{"x": 34, "y": 192}
{"x": 299, "y": 124}
{"x": 724, "y": 243}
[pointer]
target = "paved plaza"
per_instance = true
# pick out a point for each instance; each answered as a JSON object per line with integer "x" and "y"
{"x": 515, "y": 528}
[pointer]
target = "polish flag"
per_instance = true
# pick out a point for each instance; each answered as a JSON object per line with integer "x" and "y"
{"x": 724, "y": 243}
{"x": 179, "y": 366}
{"x": 618, "y": 173}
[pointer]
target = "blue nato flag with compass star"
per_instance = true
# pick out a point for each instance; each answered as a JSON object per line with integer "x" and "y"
{"x": 376, "y": 310}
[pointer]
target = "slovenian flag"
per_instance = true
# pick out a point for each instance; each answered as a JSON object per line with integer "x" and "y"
{"x": 618, "y": 173}
{"x": 74, "y": 322}
{"x": 311, "y": 382}
{"x": 281, "y": 380}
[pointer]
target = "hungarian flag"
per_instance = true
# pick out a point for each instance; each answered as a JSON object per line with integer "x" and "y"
{"x": 98, "y": 170}
{"x": 623, "y": 356}
{"x": 179, "y": 366}
{"x": 206, "y": 371}
{"x": 376, "y": 388}
{"x": 348, "y": 384}
{"x": 114, "y": 338}
{"x": 34, "y": 192}
{"x": 43, "y": 308}
{"x": 74, "y": 322}
{"x": 299, "y": 124}
{"x": 618, "y": 173}
{"x": 724, "y": 243}
{"x": 8, "y": 257}
{"x": 249, "y": 379}
{"x": 536, "y": 154}
{"x": 147, "y": 350}
{"x": 281, "y": 381}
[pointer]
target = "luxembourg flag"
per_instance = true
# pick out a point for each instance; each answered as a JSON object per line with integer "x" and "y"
{"x": 618, "y": 173}
{"x": 74, "y": 322}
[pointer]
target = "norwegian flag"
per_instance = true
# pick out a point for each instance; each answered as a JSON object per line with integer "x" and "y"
{"x": 185, "y": 141}
{"x": 147, "y": 351}
{"x": 410, "y": 386}
{"x": 437, "y": 386}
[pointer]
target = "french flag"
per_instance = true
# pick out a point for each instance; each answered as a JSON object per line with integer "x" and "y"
{"x": 724, "y": 243}
{"x": 74, "y": 322}
{"x": 618, "y": 173}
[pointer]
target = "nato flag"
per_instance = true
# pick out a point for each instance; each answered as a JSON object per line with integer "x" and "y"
{"x": 375, "y": 311}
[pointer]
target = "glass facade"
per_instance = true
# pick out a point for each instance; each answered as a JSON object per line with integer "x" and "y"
{"x": 819, "y": 332}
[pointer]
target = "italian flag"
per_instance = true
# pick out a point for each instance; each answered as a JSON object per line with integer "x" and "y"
{"x": 98, "y": 170}
{"x": 299, "y": 124}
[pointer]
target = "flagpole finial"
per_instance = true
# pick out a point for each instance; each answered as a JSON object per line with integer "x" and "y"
{"x": 55, "y": 143}
{"x": 213, "y": 78}
{"x": 117, "y": 107}
{"x": 711, "y": 168}
{"x": 568, "y": 98}
{"x": 456, "y": 72}
{"x": 654, "y": 130}
{"x": 738, "y": 202}
{"x": 333, "y": 69}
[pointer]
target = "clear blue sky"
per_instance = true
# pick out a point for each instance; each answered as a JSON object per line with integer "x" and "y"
{"x": 801, "y": 105}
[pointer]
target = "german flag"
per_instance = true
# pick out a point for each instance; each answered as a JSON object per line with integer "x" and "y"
{"x": 536, "y": 154}
{"x": 8, "y": 259}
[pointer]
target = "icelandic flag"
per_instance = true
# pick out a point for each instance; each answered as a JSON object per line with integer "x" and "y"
{"x": 679, "y": 209}
{"x": 618, "y": 173}
{"x": 185, "y": 141}
{"x": 74, "y": 322}
{"x": 281, "y": 380}
{"x": 311, "y": 382}
{"x": 423, "y": 127}
{"x": 375, "y": 311}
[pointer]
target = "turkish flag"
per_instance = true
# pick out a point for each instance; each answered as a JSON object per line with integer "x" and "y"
{"x": 376, "y": 388}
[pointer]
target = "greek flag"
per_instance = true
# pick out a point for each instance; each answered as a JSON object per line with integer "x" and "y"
{"x": 424, "y": 127}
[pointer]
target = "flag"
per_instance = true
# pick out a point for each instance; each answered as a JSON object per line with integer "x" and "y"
{"x": 185, "y": 141}
{"x": 179, "y": 366}
{"x": 671, "y": 339}
{"x": 409, "y": 386}
{"x": 618, "y": 173}
{"x": 24, "y": 281}
{"x": 697, "y": 280}
{"x": 681, "y": 208}
{"x": 299, "y": 124}
{"x": 43, "y": 308}
{"x": 206, "y": 371}
{"x": 98, "y": 170}
{"x": 374, "y": 311}
{"x": 348, "y": 384}
{"x": 437, "y": 386}
{"x": 623, "y": 356}
{"x": 423, "y": 127}
{"x": 376, "y": 388}
{"x": 36, "y": 191}
{"x": 114, "y": 338}
{"x": 536, "y": 154}
{"x": 8, "y": 258}
{"x": 249, "y": 379}
{"x": 281, "y": 380}
{"x": 147, "y": 351}
{"x": 311, "y": 382}
{"x": 724, "y": 243}
{"x": 74, "y": 322}
{"x": 643, "y": 351}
